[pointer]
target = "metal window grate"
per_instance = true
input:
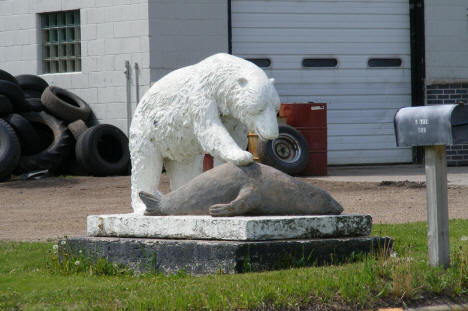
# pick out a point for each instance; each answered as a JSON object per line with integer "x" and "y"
{"x": 61, "y": 41}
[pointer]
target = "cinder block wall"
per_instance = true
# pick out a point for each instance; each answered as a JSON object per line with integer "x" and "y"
{"x": 183, "y": 32}
{"x": 112, "y": 31}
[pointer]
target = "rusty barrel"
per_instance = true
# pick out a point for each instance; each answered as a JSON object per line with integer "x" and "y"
{"x": 207, "y": 162}
{"x": 311, "y": 120}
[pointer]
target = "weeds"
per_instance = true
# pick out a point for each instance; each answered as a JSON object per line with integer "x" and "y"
{"x": 62, "y": 260}
{"x": 43, "y": 276}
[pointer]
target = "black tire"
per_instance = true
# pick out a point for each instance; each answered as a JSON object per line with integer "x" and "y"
{"x": 55, "y": 143}
{"x": 288, "y": 153}
{"x": 5, "y": 106}
{"x": 64, "y": 104}
{"x": 77, "y": 128}
{"x": 32, "y": 82}
{"x": 35, "y": 104}
{"x": 32, "y": 94}
{"x": 7, "y": 77}
{"x": 10, "y": 150}
{"x": 103, "y": 150}
{"x": 15, "y": 94}
{"x": 28, "y": 137}
{"x": 70, "y": 165}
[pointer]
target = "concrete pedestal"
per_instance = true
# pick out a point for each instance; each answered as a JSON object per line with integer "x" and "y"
{"x": 205, "y": 244}
{"x": 206, "y": 257}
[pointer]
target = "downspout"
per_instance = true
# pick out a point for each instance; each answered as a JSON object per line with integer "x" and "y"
{"x": 137, "y": 83}
{"x": 129, "y": 98}
{"x": 229, "y": 12}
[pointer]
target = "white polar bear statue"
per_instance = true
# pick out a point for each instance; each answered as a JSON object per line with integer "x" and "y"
{"x": 204, "y": 108}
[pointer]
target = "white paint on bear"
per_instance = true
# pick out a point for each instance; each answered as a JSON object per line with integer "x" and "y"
{"x": 204, "y": 108}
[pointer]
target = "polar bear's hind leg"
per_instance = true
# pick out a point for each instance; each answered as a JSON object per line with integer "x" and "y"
{"x": 181, "y": 172}
{"x": 146, "y": 173}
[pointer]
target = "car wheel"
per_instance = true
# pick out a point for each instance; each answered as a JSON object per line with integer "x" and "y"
{"x": 288, "y": 153}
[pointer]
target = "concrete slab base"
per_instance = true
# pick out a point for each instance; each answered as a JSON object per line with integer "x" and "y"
{"x": 208, "y": 256}
{"x": 258, "y": 228}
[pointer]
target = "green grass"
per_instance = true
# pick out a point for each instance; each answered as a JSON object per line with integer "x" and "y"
{"x": 31, "y": 278}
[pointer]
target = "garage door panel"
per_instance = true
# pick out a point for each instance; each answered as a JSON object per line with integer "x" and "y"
{"x": 319, "y": 90}
{"x": 368, "y": 142}
{"x": 341, "y": 76}
{"x": 395, "y": 155}
{"x": 278, "y": 35}
{"x": 312, "y": 8}
{"x": 351, "y": 101}
{"x": 294, "y": 62}
{"x": 360, "y": 116}
{"x": 320, "y": 21}
{"x": 345, "y": 130}
{"x": 240, "y": 47}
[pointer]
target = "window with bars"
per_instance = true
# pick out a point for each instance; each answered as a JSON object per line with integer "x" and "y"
{"x": 61, "y": 41}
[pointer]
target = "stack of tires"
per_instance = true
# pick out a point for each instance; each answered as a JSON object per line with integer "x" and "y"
{"x": 44, "y": 127}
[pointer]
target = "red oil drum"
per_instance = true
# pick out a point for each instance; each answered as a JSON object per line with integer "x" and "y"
{"x": 311, "y": 120}
{"x": 207, "y": 162}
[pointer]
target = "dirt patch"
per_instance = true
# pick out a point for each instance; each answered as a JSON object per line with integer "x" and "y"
{"x": 57, "y": 206}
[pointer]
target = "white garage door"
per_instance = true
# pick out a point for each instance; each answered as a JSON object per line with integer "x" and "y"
{"x": 352, "y": 54}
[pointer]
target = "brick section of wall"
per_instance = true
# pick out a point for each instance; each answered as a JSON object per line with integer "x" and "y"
{"x": 450, "y": 93}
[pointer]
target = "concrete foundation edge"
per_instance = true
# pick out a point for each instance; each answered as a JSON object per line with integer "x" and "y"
{"x": 207, "y": 257}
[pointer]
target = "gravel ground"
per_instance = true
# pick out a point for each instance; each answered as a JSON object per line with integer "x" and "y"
{"x": 54, "y": 207}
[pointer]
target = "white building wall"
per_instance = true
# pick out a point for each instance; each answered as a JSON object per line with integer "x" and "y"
{"x": 183, "y": 32}
{"x": 446, "y": 40}
{"x": 112, "y": 31}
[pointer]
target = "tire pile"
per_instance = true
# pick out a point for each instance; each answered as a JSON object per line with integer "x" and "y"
{"x": 44, "y": 127}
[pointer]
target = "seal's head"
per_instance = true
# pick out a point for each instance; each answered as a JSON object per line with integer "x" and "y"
{"x": 320, "y": 201}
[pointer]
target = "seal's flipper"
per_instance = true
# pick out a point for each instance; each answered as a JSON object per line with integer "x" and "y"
{"x": 247, "y": 200}
{"x": 152, "y": 202}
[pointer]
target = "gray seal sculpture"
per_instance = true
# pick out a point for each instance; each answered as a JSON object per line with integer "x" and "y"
{"x": 254, "y": 190}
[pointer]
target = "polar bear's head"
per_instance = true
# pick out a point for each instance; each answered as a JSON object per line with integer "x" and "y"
{"x": 254, "y": 101}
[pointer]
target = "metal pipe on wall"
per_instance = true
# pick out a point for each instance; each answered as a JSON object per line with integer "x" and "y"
{"x": 129, "y": 97}
{"x": 137, "y": 83}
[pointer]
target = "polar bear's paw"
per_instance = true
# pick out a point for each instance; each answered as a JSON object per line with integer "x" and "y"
{"x": 239, "y": 157}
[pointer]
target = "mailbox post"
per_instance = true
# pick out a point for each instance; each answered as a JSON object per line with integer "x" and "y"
{"x": 434, "y": 127}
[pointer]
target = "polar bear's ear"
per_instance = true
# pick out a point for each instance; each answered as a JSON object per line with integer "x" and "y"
{"x": 272, "y": 80}
{"x": 242, "y": 82}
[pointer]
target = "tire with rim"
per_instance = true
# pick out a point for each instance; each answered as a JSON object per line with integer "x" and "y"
{"x": 32, "y": 82}
{"x": 64, "y": 104}
{"x": 28, "y": 137}
{"x": 4, "y": 75}
{"x": 288, "y": 153}
{"x": 5, "y": 106}
{"x": 55, "y": 142}
{"x": 10, "y": 150}
{"x": 103, "y": 150}
{"x": 15, "y": 94}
